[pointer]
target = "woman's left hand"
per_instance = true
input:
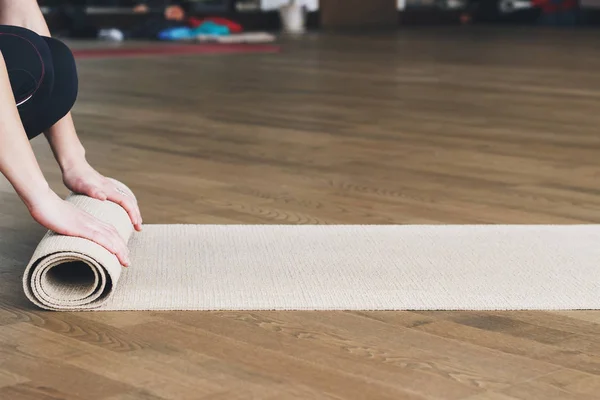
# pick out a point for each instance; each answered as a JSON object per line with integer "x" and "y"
{"x": 84, "y": 179}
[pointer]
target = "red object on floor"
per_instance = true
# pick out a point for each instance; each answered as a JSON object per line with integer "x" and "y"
{"x": 176, "y": 50}
{"x": 551, "y": 7}
{"x": 234, "y": 27}
{"x": 194, "y": 22}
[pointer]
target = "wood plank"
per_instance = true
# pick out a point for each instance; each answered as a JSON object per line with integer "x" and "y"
{"x": 437, "y": 126}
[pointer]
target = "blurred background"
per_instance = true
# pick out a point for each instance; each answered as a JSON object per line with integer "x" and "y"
{"x": 264, "y": 14}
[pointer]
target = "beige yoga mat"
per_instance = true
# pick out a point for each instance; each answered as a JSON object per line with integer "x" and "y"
{"x": 329, "y": 267}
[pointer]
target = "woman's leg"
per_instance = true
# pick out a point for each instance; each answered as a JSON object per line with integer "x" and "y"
{"x": 43, "y": 77}
{"x": 64, "y": 91}
{"x": 30, "y": 71}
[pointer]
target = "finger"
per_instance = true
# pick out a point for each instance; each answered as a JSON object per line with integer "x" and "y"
{"x": 121, "y": 249}
{"x": 126, "y": 199}
{"x": 131, "y": 204}
{"x": 104, "y": 239}
{"x": 131, "y": 207}
{"x": 128, "y": 204}
{"x": 119, "y": 243}
{"x": 99, "y": 232}
{"x": 97, "y": 193}
{"x": 138, "y": 215}
{"x": 102, "y": 234}
{"x": 141, "y": 218}
{"x": 123, "y": 252}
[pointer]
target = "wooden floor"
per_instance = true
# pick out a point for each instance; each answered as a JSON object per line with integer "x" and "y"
{"x": 468, "y": 125}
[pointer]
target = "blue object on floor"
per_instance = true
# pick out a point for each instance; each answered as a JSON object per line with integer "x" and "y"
{"x": 176, "y": 34}
{"x": 210, "y": 28}
{"x": 182, "y": 33}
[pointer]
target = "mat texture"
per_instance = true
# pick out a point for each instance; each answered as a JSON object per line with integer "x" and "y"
{"x": 329, "y": 267}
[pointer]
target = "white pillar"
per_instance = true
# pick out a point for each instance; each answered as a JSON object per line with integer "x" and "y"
{"x": 312, "y": 5}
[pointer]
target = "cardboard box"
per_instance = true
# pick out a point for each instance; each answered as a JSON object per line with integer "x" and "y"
{"x": 359, "y": 13}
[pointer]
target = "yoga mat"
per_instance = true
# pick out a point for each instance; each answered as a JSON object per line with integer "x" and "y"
{"x": 326, "y": 267}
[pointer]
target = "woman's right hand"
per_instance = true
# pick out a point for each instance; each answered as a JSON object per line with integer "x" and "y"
{"x": 62, "y": 217}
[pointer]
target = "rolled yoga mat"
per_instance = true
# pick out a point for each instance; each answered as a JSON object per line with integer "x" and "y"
{"x": 325, "y": 267}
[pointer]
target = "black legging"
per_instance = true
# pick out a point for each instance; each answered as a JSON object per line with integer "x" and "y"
{"x": 43, "y": 77}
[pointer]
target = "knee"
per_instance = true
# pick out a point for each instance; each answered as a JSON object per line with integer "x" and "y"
{"x": 24, "y": 35}
{"x": 66, "y": 81}
{"x": 28, "y": 61}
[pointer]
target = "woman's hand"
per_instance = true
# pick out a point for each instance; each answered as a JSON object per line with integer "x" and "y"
{"x": 83, "y": 179}
{"x": 80, "y": 177}
{"x": 62, "y": 217}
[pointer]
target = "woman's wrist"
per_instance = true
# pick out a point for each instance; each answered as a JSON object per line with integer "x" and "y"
{"x": 34, "y": 192}
{"x": 69, "y": 158}
{"x": 66, "y": 146}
